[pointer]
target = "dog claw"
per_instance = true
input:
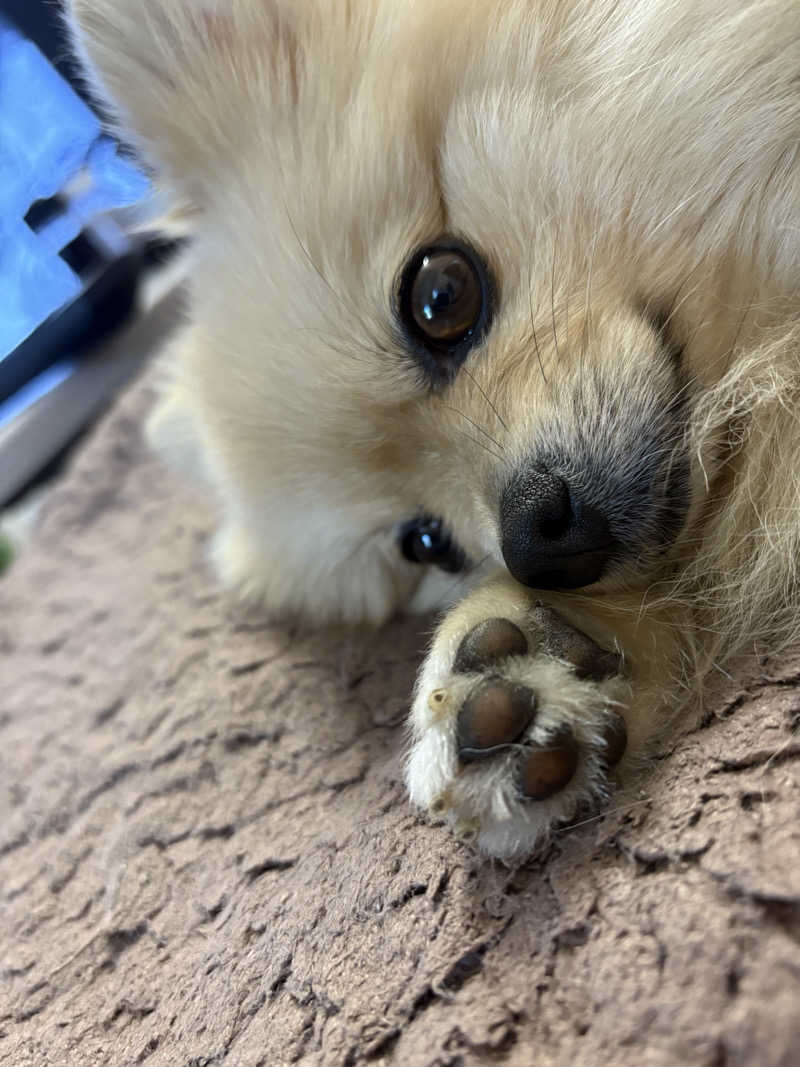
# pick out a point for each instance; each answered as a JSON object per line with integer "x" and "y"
{"x": 467, "y": 829}
{"x": 441, "y": 803}
{"x": 437, "y": 701}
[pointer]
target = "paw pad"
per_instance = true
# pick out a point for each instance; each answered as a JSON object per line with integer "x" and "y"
{"x": 488, "y": 643}
{"x": 559, "y": 638}
{"x": 615, "y": 736}
{"x": 548, "y": 770}
{"x": 518, "y": 728}
{"x": 495, "y": 714}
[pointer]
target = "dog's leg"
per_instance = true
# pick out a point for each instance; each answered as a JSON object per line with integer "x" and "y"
{"x": 520, "y": 717}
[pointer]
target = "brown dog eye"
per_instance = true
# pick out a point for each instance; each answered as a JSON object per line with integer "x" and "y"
{"x": 446, "y": 297}
{"x": 443, "y": 306}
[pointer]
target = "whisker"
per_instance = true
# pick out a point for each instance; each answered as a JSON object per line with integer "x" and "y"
{"x": 602, "y": 815}
{"x": 538, "y": 352}
{"x": 357, "y": 348}
{"x": 530, "y": 307}
{"x": 304, "y": 249}
{"x": 468, "y": 572}
{"x": 741, "y": 323}
{"x": 726, "y": 354}
{"x": 480, "y": 444}
{"x": 553, "y": 294}
{"x": 566, "y": 321}
{"x": 302, "y": 246}
{"x": 588, "y": 312}
{"x": 485, "y": 397}
{"x": 480, "y": 429}
{"x": 677, "y": 301}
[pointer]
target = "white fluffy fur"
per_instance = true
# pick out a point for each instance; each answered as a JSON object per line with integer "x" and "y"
{"x": 603, "y": 155}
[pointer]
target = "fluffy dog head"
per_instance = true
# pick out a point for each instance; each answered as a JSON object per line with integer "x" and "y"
{"x": 470, "y": 261}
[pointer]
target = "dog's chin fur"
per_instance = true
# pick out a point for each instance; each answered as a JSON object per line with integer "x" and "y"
{"x": 628, "y": 171}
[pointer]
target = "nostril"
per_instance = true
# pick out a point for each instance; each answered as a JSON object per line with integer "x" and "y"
{"x": 556, "y": 529}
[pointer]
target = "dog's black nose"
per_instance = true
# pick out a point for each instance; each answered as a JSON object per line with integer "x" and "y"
{"x": 550, "y": 540}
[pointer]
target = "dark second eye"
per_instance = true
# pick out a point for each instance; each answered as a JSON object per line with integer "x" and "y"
{"x": 426, "y": 540}
{"x": 444, "y": 304}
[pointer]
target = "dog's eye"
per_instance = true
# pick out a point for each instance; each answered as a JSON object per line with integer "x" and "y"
{"x": 446, "y": 297}
{"x": 444, "y": 304}
{"x": 425, "y": 540}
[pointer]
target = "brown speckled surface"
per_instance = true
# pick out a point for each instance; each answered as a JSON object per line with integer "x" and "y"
{"x": 206, "y": 854}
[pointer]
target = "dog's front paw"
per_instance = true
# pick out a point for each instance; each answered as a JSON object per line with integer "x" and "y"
{"x": 517, "y": 723}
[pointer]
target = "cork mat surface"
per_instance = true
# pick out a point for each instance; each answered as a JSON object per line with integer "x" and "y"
{"x": 207, "y": 856}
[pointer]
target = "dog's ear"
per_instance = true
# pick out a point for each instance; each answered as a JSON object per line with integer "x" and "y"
{"x": 174, "y": 73}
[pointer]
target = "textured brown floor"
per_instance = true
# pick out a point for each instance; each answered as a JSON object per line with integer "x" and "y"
{"x": 206, "y": 854}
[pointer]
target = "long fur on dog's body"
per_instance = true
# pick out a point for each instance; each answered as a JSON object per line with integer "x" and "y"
{"x": 618, "y": 163}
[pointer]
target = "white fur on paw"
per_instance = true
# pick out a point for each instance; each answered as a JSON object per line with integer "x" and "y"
{"x": 510, "y": 739}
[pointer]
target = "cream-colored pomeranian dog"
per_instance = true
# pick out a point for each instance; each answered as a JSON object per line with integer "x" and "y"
{"x": 494, "y": 306}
